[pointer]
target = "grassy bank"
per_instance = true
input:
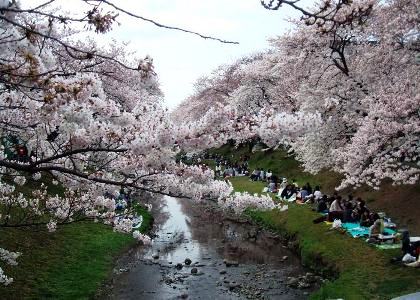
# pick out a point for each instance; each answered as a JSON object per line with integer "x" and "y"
{"x": 357, "y": 270}
{"x": 70, "y": 263}
{"x": 399, "y": 202}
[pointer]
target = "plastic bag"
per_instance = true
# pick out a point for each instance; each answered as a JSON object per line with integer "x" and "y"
{"x": 408, "y": 258}
{"x": 336, "y": 224}
{"x": 284, "y": 208}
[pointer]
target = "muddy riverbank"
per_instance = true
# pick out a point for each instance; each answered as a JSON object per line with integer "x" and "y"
{"x": 198, "y": 253}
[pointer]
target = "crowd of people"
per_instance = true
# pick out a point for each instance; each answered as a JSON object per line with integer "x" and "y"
{"x": 224, "y": 168}
{"x": 332, "y": 208}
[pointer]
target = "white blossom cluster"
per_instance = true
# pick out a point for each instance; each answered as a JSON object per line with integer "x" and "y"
{"x": 9, "y": 258}
{"x": 239, "y": 202}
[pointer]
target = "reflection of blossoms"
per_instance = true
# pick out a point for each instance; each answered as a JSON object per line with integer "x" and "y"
{"x": 5, "y": 279}
{"x": 9, "y": 258}
{"x": 52, "y": 226}
{"x": 142, "y": 237}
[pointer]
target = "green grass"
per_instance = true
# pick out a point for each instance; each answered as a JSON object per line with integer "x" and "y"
{"x": 358, "y": 271}
{"x": 399, "y": 202}
{"x": 70, "y": 263}
{"x": 67, "y": 264}
{"x": 282, "y": 164}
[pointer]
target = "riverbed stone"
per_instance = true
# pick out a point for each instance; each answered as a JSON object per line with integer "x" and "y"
{"x": 303, "y": 285}
{"x": 310, "y": 277}
{"x": 178, "y": 266}
{"x": 194, "y": 271}
{"x": 292, "y": 281}
{"x": 123, "y": 270}
{"x": 233, "y": 285}
{"x": 230, "y": 263}
{"x": 222, "y": 271}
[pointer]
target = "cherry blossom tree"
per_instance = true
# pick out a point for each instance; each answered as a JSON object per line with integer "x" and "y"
{"x": 86, "y": 118}
{"x": 341, "y": 90}
{"x": 213, "y": 90}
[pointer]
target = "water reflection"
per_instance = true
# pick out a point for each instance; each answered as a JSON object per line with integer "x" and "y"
{"x": 203, "y": 234}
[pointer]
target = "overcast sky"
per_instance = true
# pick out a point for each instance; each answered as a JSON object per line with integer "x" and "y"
{"x": 181, "y": 58}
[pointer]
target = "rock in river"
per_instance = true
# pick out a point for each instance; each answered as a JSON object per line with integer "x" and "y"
{"x": 230, "y": 263}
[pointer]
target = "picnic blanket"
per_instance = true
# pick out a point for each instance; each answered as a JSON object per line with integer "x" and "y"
{"x": 355, "y": 230}
{"x": 414, "y": 239}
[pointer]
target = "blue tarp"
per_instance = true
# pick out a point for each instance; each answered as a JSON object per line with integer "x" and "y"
{"x": 355, "y": 230}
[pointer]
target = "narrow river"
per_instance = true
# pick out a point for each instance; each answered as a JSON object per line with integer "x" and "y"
{"x": 229, "y": 260}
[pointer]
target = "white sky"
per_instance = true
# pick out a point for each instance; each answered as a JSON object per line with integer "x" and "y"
{"x": 181, "y": 58}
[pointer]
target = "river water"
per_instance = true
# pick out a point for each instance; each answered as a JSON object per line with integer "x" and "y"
{"x": 230, "y": 259}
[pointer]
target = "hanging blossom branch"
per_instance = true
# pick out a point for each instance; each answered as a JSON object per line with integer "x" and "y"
{"x": 162, "y": 25}
{"x": 103, "y": 21}
{"x": 329, "y": 15}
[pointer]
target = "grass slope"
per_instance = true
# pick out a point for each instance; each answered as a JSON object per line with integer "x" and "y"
{"x": 361, "y": 272}
{"x": 402, "y": 202}
{"x": 358, "y": 270}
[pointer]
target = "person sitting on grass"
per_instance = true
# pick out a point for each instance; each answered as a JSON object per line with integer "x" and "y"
{"x": 348, "y": 210}
{"x": 304, "y": 193}
{"x": 322, "y": 204}
{"x": 374, "y": 217}
{"x": 377, "y": 228}
{"x": 408, "y": 247}
{"x": 309, "y": 188}
{"x": 218, "y": 170}
{"x": 336, "y": 210}
{"x": 288, "y": 193}
{"x": 275, "y": 178}
{"x": 262, "y": 175}
{"x": 268, "y": 175}
{"x": 359, "y": 210}
{"x": 272, "y": 187}
{"x": 365, "y": 220}
{"x": 352, "y": 201}
{"x": 255, "y": 174}
{"x": 283, "y": 184}
{"x": 317, "y": 193}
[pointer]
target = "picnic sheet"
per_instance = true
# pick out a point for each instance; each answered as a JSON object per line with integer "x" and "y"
{"x": 355, "y": 230}
{"x": 414, "y": 239}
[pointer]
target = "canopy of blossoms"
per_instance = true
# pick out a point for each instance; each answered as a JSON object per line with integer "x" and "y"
{"x": 341, "y": 89}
